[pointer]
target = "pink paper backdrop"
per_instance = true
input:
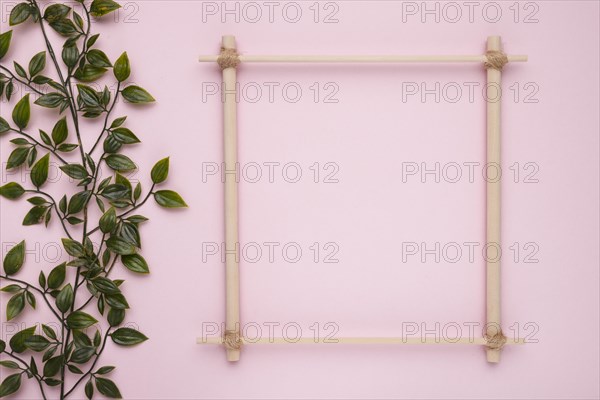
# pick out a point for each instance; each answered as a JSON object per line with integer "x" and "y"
{"x": 350, "y": 245}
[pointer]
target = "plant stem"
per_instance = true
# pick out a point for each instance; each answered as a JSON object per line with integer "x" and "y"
{"x": 126, "y": 213}
{"x": 62, "y": 219}
{"x": 92, "y": 366}
{"x": 13, "y": 76}
{"x": 28, "y": 136}
{"x": 106, "y": 118}
{"x": 29, "y": 286}
{"x": 37, "y": 377}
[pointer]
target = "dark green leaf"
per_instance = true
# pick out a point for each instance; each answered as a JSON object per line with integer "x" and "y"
{"x": 22, "y": 112}
{"x": 57, "y": 276}
{"x": 39, "y": 172}
{"x": 30, "y": 299}
{"x": 15, "y": 305}
{"x": 105, "y": 370}
{"x": 35, "y": 216}
{"x": 37, "y": 63}
{"x": 128, "y": 337}
{"x": 122, "y": 70}
{"x": 64, "y": 300}
{"x": 19, "y": 14}
{"x": 13, "y": 382}
{"x": 103, "y": 7}
{"x": 89, "y": 96}
{"x": 56, "y": 12}
{"x": 116, "y": 192}
{"x": 20, "y": 70}
{"x": 75, "y": 171}
{"x": 8, "y": 364}
{"x": 89, "y": 390}
{"x": 80, "y": 320}
{"x": 60, "y": 132}
{"x": 14, "y": 259}
{"x": 17, "y": 157}
{"x": 92, "y": 40}
{"x": 115, "y": 317}
{"x": 78, "y": 201}
{"x": 117, "y": 301}
{"x": 49, "y": 332}
{"x": 73, "y": 248}
{"x": 37, "y": 343}
{"x": 11, "y": 288}
{"x": 66, "y": 147}
{"x": 11, "y": 190}
{"x": 51, "y": 100}
{"x": 105, "y": 285}
{"x": 106, "y": 386}
{"x": 53, "y": 365}
{"x": 160, "y": 171}
{"x": 108, "y": 221}
{"x": 98, "y": 59}
{"x": 169, "y": 199}
{"x": 89, "y": 73}
{"x": 83, "y": 355}
{"x": 119, "y": 162}
{"x": 125, "y": 136}
{"x": 17, "y": 342}
{"x": 120, "y": 246}
{"x": 70, "y": 55}
{"x": 5, "y": 43}
{"x": 42, "y": 280}
{"x": 81, "y": 339}
{"x": 130, "y": 233}
{"x": 75, "y": 369}
{"x": 4, "y": 126}
{"x": 64, "y": 27}
{"x": 137, "y": 95}
{"x": 45, "y": 138}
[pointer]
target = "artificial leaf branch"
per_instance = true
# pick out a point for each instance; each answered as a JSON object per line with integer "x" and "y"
{"x": 69, "y": 358}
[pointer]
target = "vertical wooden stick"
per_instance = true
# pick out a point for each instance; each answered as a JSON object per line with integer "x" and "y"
{"x": 493, "y": 201}
{"x": 232, "y": 272}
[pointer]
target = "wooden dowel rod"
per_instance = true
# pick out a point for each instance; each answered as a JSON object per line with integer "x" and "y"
{"x": 493, "y": 201}
{"x": 361, "y": 59}
{"x": 232, "y": 272}
{"x": 363, "y": 340}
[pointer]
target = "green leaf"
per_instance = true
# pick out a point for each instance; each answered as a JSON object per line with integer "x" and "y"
{"x": 105, "y": 370}
{"x": 11, "y": 190}
{"x": 70, "y": 55}
{"x": 57, "y": 276}
{"x": 75, "y": 171}
{"x": 80, "y": 320}
{"x": 81, "y": 339}
{"x": 64, "y": 27}
{"x": 5, "y": 43}
{"x": 160, "y": 171}
{"x": 49, "y": 332}
{"x": 122, "y": 69}
{"x": 137, "y": 95}
{"x": 66, "y": 147}
{"x": 37, "y": 63}
{"x": 17, "y": 342}
{"x": 89, "y": 73}
{"x": 105, "y": 285}
{"x": 34, "y": 216}
{"x": 11, "y": 288}
{"x": 56, "y": 12}
{"x": 15, "y": 305}
{"x": 60, "y": 132}
{"x": 119, "y": 162}
{"x": 116, "y": 192}
{"x": 4, "y": 126}
{"x": 106, "y": 386}
{"x": 108, "y": 221}
{"x": 45, "y": 138}
{"x": 39, "y": 172}
{"x": 17, "y": 157}
{"x": 98, "y": 59}
{"x": 8, "y": 364}
{"x": 19, "y": 14}
{"x": 83, "y": 354}
{"x": 103, "y": 7}
{"x": 78, "y": 201}
{"x": 12, "y": 384}
{"x": 30, "y": 299}
{"x": 169, "y": 199}
{"x": 115, "y": 316}
{"x": 89, "y": 96}
{"x": 22, "y": 112}
{"x": 120, "y": 246}
{"x": 89, "y": 389}
{"x": 14, "y": 259}
{"x": 42, "y": 280}
{"x": 125, "y": 136}
{"x": 64, "y": 300}
{"x": 51, "y": 100}
{"x": 128, "y": 337}
{"x": 53, "y": 366}
{"x": 37, "y": 343}
{"x": 73, "y": 248}
{"x": 117, "y": 301}
{"x": 20, "y": 70}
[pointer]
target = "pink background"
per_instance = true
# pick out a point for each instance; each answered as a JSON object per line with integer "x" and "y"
{"x": 369, "y": 133}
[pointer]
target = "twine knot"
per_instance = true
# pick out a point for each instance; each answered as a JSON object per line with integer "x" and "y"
{"x": 495, "y": 59}
{"x": 495, "y": 341}
{"x": 228, "y": 58}
{"x": 232, "y": 340}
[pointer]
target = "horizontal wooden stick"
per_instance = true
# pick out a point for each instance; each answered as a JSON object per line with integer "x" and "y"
{"x": 363, "y": 59}
{"x": 359, "y": 340}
